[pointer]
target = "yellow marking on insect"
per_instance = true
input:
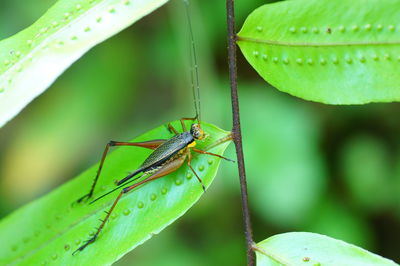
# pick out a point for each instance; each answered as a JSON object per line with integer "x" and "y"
{"x": 193, "y": 144}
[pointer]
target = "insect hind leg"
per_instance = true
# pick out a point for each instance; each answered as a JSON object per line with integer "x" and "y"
{"x": 151, "y": 144}
{"x": 163, "y": 171}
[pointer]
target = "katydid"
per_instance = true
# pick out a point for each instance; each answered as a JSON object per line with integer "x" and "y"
{"x": 168, "y": 155}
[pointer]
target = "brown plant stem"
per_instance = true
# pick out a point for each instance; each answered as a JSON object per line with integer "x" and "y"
{"x": 236, "y": 130}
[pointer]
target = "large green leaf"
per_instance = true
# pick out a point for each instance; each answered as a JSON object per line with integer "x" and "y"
{"x": 50, "y": 228}
{"x": 335, "y": 52}
{"x": 33, "y": 58}
{"x": 302, "y": 248}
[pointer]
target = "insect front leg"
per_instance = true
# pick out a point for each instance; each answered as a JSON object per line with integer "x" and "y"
{"x": 185, "y": 119}
{"x": 213, "y": 154}
{"x": 151, "y": 144}
{"x": 172, "y": 129}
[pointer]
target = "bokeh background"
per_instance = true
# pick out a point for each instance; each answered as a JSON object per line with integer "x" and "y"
{"x": 334, "y": 170}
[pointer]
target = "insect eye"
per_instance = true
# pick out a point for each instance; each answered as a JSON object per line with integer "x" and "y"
{"x": 196, "y": 131}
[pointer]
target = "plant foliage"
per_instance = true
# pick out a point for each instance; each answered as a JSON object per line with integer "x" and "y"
{"x": 51, "y": 228}
{"x": 33, "y": 58}
{"x": 334, "y": 52}
{"x": 300, "y": 248}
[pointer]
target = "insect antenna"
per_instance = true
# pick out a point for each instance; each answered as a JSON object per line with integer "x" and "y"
{"x": 111, "y": 191}
{"x": 194, "y": 71}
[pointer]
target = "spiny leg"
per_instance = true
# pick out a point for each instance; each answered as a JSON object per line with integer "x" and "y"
{"x": 151, "y": 144}
{"x": 190, "y": 166}
{"x": 163, "y": 171}
{"x": 103, "y": 222}
{"x": 213, "y": 154}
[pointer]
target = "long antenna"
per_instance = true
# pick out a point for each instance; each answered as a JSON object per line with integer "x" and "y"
{"x": 194, "y": 71}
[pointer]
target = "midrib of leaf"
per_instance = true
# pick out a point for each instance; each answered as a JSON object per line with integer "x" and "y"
{"x": 300, "y": 44}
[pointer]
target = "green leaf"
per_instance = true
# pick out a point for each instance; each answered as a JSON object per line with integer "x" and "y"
{"x": 334, "y": 52}
{"x": 51, "y": 228}
{"x": 301, "y": 248}
{"x": 33, "y": 58}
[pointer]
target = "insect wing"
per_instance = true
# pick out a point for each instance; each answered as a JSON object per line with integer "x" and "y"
{"x": 167, "y": 149}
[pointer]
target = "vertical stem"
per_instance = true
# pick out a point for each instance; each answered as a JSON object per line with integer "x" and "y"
{"x": 236, "y": 130}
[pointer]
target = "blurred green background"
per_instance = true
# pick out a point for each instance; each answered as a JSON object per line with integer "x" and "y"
{"x": 334, "y": 170}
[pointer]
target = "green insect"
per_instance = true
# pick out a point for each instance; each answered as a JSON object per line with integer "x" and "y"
{"x": 168, "y": 155}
